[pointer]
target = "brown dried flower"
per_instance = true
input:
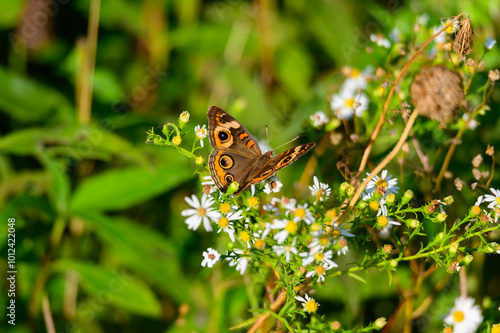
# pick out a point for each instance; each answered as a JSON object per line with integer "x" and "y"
{"x": 490, "y": 150}
{"x": 437, "y": 93}
{"x": 459, "y": 184}
{"x": 463, "y": 38}
{"x": 477, "y": 160}
{"x": 494, "y": 75}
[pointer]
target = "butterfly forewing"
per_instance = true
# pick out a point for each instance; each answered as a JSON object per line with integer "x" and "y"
{"x": 237, "y": 156}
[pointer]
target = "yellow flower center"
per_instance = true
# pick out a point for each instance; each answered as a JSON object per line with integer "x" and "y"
{"x": 291, "y": 227}
{"x": 316, "y": 227}
{"x": 349, "y": 102}
{"x": 458, "y": 316}
{"x": 450, "y": 29}
{"x": 259, "y": 243}
{"x": 320, "y": 270}
{"x": 225, "y": 208}
{"x": 323, "y": 240}
{"x": 301, "y": 212}
{"x": 311, "y": 306}
{"x": 201, "y": 133}
{"x": 253, "y": 201}
{"x": 331, "y": 213}
{"x": 355, "y": 72}
{"x": 374, "y": 205}
{"x": 381, "y": 182}
{"x": 335, "y": 234}
{"x": 382, "y": 221}
{"x": 476, "y": 210}
{"x": 177, "y": 140}
{"x": 318, "y": 256}
{"x": 245, "y": 236}
{"x": 202, "y": 211}
{"x": 223, "y": 222}
{"x": 495, "y": 328}
{"x": 498, "y": 201}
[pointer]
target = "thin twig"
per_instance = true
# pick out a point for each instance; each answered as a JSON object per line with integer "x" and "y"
{"x": 47, "y": 315}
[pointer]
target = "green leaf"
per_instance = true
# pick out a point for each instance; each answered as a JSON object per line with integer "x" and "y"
{"x": 60, "y": 184}
{"x": 142, "y": 249}
{"x": 29, "y": 101}
{"x": 357, "y": 277}
{"x": 117, "y": 287}
{"x": 122, "y": 188}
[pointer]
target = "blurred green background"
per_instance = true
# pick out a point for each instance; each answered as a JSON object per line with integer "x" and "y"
{"x": 89, "y": 196}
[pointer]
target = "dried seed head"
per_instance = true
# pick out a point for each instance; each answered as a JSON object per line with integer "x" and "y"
{"x": 463, "y": 38}
{"x": 437, "y": 93}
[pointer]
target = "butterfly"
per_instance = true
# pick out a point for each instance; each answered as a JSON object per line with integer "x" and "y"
{"x": 237, "y": 157}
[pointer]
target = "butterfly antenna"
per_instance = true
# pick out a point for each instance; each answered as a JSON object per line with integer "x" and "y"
{"x": 285, "y": 143}
{"x": 267, "y": 136}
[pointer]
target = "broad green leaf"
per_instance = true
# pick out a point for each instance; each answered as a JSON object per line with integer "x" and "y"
{"x": 146, "y": 251}
{"x": 122, "y": 188}
{"x": 117, "y": 287}
{"x": 28, "y": 101}
{"x": 74, "y": 141}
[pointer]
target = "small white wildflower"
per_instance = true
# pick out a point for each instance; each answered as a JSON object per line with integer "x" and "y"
{"x": 494, "y": 200}
{"x": 349, "y": 102}
{"x": 210, "y": 257}
{"x": 381, "y": 185}
{"x": 490, "y": 42}
{"x": 273, "y": 184}
{"x": 202, "y": 211}
{"x": 286, "y": 249}
{"x": 240, "y": 262}
{"x": 201, "y": 133}
{"x": 309, "y": 303}
{"x": 464, "y": 316}
{"x": 380, "y": 40}
{"x": 319, "y": 119}
{"x": 320, "y": 191}
{"x": 288, "y": 228}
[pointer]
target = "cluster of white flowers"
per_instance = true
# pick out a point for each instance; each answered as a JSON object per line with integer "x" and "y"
{"x": 350, "y": 99}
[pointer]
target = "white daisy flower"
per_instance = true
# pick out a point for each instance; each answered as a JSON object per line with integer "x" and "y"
{"x": 272, "y": 206}
{"x": 318, "y": 257}
{"x": 494, "y": 200}
{"x": 465, "y": 317}
{"x": 320, "y": 191}
{"x": 380, "y": 40}
{"x": 240, "y": 262}
{"x": 357, "y": 79}
{"x": 349, "y": 102}
{"x": 289, "y": 228}
{"x": 318, "y": 244}
{"x": 423, "y": 19}
{"x": 288, "y": 203}
{"x": 201, "y": 133}
{"x": 210, "y": 256}
{"x": 309, "y": 303}
{"x": 441, "y": 38}
{"x": 321, "y": 271}
{"x": 273, "y": 184}
{"x": 286, "y": 249}
{"x": 201, "y": 212}
{"x": 319, "y": 119}
{"x": 226, "y": 225}
{"x": 302, "y": 213}
{"x": 381, "y": 185}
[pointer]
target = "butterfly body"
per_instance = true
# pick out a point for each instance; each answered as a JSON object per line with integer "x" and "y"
{"x": 237, "y": 156}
